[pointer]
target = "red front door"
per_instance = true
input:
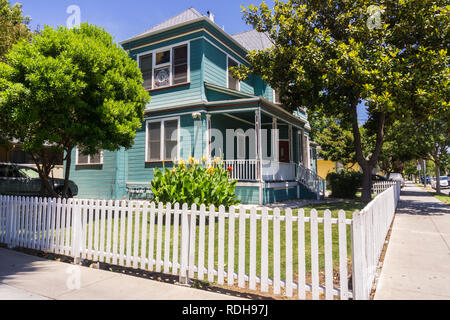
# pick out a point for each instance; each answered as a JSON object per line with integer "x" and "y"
{"x": 284, "y": 151}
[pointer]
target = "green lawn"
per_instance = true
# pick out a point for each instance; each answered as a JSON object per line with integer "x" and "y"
{"x": 442, "y": 197}
{"x": 348, "y": 206}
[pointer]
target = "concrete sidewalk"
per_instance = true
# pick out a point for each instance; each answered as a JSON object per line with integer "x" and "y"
{"x": 417, "y": 261}
{"x": 26, "y": 277}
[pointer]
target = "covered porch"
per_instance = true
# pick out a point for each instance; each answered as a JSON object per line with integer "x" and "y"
{"x": 258, "y": 144}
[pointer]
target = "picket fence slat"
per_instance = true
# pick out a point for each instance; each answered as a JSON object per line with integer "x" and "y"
{"x": 264, "y": 251}
{"x": 211, "y": 243}
{"x": 176, "y": 223}
{"x": 221, "y": 247}
{"x": 301, "y": 255}
{"x": 231, "y": 225}
{"x": 289, "y": 284}
{"x": 328, "y": 256}
{"x": 314, "y": 255}
{"x": 276, "y": 252}
{"x": 252, "y": 279}
{"x": 241, "y": 264}
{"x": 201, "y": 244}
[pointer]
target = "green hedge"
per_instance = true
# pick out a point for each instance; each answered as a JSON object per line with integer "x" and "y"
{"x": 344, "y": 184}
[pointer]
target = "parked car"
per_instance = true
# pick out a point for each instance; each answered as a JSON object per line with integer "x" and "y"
{"x": 428, "y": 179}
{"x": 443, "y": 181}
{"x": 19, "y": 180}
{"x": 397, "y": 177}
{"x": 378, "y": 178}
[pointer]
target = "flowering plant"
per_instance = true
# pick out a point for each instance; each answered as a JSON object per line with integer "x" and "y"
{"x": 193, "y": 183}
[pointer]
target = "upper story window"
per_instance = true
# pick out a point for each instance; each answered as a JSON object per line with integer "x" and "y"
{"x": 162, "y": 140}
{"x": 94, "y": 159}
{"x": 165, "y": 67}
{"x": 276, "y": 97}
{"x": 233, "y": 83}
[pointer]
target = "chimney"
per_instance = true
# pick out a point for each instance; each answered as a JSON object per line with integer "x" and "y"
{"x": 210, "y": 16}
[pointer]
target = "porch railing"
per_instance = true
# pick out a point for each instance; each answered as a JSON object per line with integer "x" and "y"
{"x": 278, "y": 171}
{"x": 311, "y": 180}
{"x": 243, "y": 170}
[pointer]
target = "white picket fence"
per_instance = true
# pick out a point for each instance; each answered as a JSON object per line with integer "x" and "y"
{"x": 369, "y": 231}
{"x": 379, "y": 187}
{"x": 287, "y": 253}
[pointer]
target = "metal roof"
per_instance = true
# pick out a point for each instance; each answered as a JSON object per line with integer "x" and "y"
{"x": 253, "y": 40}
{"x": 185, "y": 16}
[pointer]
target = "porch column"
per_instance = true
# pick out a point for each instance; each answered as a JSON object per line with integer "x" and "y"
{"x": 258, "y": 124}
{"x": 308, "y": 154}
{"x": 208, "y": 137}
{"x": 275, "y": 142}
{"x": 291, "y": 144}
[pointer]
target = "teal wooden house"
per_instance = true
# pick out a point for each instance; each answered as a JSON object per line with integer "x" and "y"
{"x": 198, "y": 109}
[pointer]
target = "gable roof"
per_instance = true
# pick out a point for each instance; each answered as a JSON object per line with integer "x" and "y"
{"x": 185, "y": 16}
{"x": 253, "y": 40}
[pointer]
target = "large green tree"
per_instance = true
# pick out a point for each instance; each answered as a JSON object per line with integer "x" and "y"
{"x": 13, "y": 26}
{"x": 68, "y": 88}
{"x": 329, "y": 56}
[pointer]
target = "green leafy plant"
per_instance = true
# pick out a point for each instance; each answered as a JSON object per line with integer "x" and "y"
{"x": 344, "y": 184}
{"x": 195, "y": 183}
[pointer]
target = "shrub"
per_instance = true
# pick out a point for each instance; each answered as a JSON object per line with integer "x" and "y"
{"x": 193, "y": 183}
{"x": 344, "y": 184}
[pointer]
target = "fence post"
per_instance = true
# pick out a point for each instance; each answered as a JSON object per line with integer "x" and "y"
{"x": 358, "y": 258}
{"x": 77, "y": 230}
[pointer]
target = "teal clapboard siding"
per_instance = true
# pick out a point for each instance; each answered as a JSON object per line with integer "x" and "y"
{"x": 271, "y": 195}
{"x": 192, "y": 143}
{"x": 189, "y": 93}
{"x": 95, "y": 182}
{"x": 248, "y": 195}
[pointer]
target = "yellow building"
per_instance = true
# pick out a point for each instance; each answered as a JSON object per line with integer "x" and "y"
{"x": 324, "y": 167}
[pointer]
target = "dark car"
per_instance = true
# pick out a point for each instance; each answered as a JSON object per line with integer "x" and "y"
{"x": 18, "y": 180}
{"x": 378, "y": 178}
{"x": 428, "y": 179}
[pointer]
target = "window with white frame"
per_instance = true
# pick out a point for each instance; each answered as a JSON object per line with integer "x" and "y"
{"x": 165, "y": 67}
{"x": 90, "y": 159}
{"x": 233, "y": 83}
{"x": 276, "y": 97}
{"x": 162, "y": 140}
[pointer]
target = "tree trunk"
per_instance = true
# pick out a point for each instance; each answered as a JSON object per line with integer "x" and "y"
{"x": 437, "y": 172}
{"x": 367, "y": 165}
{"x": 67, "y": 172}
{"x": 366, "y": 195}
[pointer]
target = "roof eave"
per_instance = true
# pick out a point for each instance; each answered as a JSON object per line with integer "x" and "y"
{"x": 228, "y": 36}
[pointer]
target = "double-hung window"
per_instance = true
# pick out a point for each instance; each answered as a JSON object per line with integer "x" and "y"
{"x": 95, "y": 159}
{"x": 165, "y": 67}
{"x": 162, "y": 140}
{"x": 276, "y": 97}
{"x": 233, "y": 83}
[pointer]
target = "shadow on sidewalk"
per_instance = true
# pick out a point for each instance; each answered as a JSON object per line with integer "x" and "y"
{"x": 418, "y": 207}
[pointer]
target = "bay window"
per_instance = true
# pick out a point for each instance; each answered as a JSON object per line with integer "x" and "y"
{"x": 165, "y": 67}
{"x": 162, "y": 140}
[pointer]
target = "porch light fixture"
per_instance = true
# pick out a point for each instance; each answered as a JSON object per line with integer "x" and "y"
{"x": 197, "y": 115}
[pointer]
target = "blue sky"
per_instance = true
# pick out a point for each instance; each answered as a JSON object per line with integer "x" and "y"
{"x": 124, "y": 19}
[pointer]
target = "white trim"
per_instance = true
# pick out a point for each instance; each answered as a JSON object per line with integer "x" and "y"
{"x": 89, "y": 159}
{"x": 162, "y": 139}
{"x": 239, "y": 119}
{"x": 275, "y": 116}
{"x": 168, "y": 64}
